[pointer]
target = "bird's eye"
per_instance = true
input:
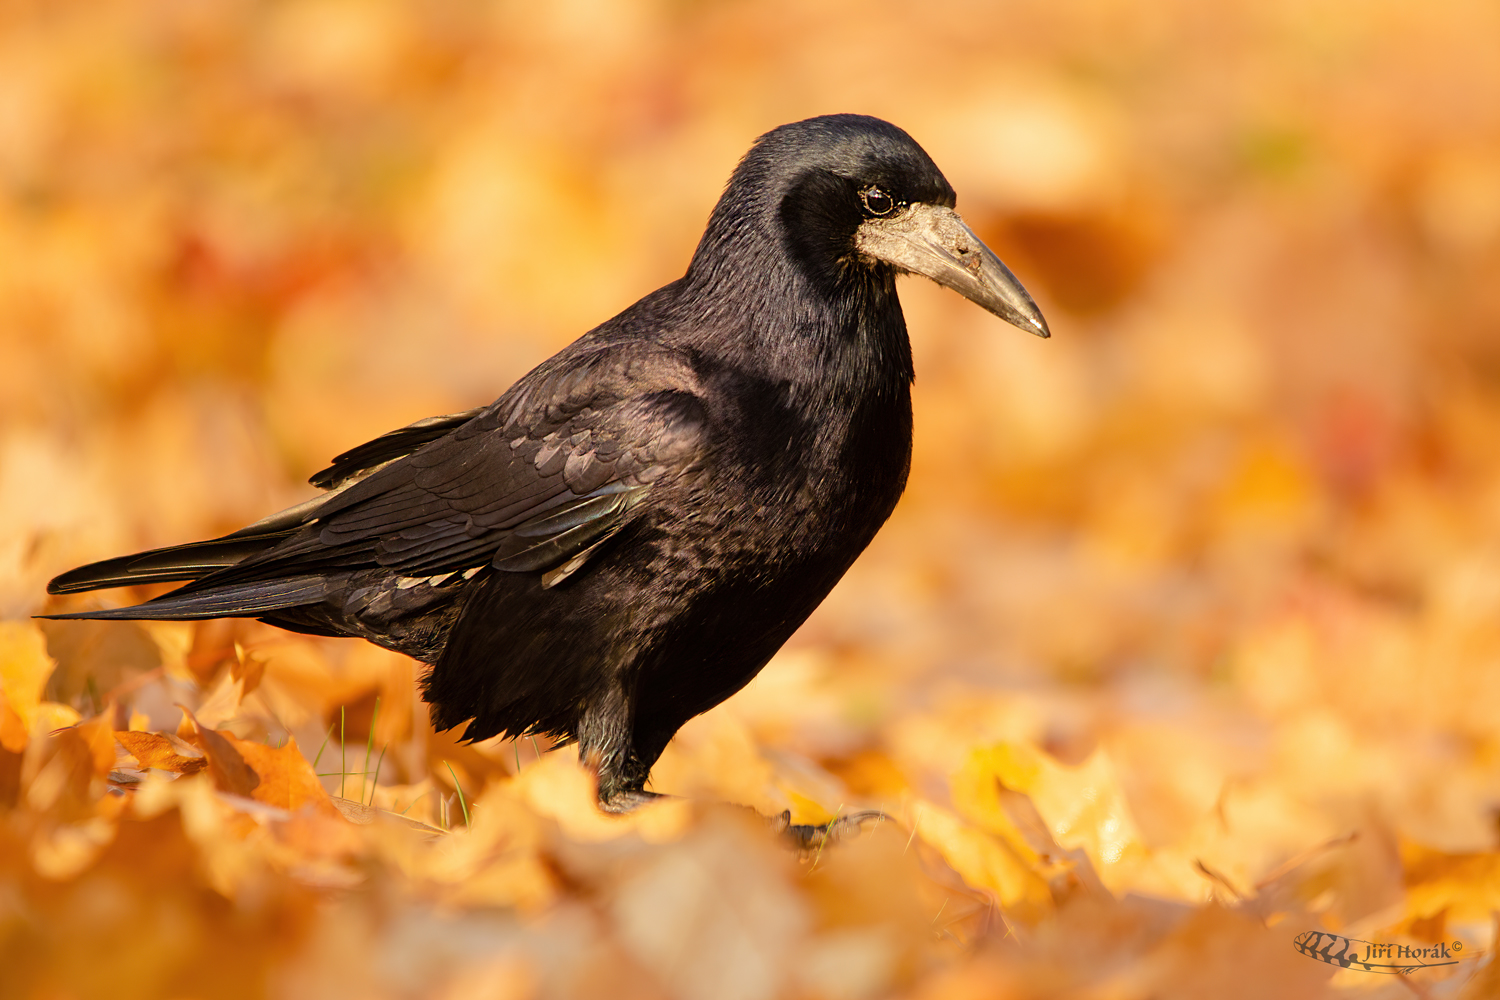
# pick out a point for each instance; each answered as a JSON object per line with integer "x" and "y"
{"x": 876, "y": 201}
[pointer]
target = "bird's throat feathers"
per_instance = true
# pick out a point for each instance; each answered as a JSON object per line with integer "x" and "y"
{"x": 780, "y": 286}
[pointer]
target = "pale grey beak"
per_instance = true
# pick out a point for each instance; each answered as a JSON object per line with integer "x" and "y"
{"x": 933, "y": 241}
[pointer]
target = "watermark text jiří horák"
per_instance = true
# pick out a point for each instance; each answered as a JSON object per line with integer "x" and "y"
{"x": 1376, "y": 956}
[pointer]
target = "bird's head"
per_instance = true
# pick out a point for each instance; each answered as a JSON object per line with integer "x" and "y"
{"x": 853, "y": 197}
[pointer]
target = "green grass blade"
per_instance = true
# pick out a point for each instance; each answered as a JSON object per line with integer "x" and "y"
{"x": 324, "y": 746}
{"x": 460, "y": 789}
{"x": 369, "y": 746}
{"x": 374, "y": 781}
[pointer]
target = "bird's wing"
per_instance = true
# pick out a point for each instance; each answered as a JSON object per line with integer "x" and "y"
{"x": 534, "y": 482}
{"x": 197, "y": 559}
{"x": 373, "y": 454}
{"x": 531, "y": 483}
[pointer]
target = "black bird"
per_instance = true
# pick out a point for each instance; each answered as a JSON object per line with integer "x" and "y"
{"x": 625, "y": 537}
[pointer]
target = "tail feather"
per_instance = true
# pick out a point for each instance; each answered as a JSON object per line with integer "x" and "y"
{"x": 168, "y": 565}
{"x": 246, "y": 599}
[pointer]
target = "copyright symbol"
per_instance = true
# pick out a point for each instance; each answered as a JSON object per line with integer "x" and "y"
{"x": 1458, "y": 946}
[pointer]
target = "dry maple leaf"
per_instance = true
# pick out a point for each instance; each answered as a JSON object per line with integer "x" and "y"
{"x": 163, "y": 751}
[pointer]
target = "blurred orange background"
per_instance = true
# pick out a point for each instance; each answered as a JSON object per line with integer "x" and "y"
{"x": 1219, "y": 563}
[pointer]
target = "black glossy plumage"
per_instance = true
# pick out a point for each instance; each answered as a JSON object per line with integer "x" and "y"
{"x": 625, "y": 537}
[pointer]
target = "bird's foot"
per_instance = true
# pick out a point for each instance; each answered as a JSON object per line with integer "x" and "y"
{"x": 628, "y": 800}
{"x": 809, "y": 837}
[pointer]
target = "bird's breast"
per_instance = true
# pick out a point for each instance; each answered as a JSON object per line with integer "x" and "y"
{"x": 793, "y": 483}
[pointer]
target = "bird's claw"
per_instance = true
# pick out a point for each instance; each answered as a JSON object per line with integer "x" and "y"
{"x": 808, "y": 837}
{"x": 629, "y": 800}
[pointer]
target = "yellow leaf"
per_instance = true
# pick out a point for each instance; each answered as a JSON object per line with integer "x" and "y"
{"x": 1083, "y": 807}
{"x": 982, "y": 860}
{"x": 50, "y": 716}
{"x": 976, "y": 794}
{"x": 806, "y": 810}
{"x": 72, "y": 765}
{"x": 24, "y": 669}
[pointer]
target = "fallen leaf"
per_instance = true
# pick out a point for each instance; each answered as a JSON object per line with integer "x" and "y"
{"x": 285, "y": 778}
{"x": 225, "y": 764}
{"x": 24, "y": 669}
{"x": 163, "y": 750}
{"x": 248, "y": 667}
{"x": 983, "y": 860}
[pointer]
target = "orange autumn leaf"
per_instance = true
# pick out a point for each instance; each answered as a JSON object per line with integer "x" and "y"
{"x": 225, "y": 764}
{"x": 162, "y": 751}
{"x": 286, "y": 778}
{"x": 12, "y": 727}
{"x": 277, "y": 776}
{"x": 1466, "y": 886}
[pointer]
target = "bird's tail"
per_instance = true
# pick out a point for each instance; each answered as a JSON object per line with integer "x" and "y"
{"x": 169, "y": 565}
{"x": 193, "y": 561}
{"x": 244, "y": 599}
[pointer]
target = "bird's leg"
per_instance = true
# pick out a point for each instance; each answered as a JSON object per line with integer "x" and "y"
{"x": 622, "y": 780}
{"x": 622, "y": 757}
{"x": 606, "y": 746}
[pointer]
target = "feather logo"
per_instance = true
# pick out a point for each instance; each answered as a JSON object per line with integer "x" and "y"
{"x": 1384, "y": 957}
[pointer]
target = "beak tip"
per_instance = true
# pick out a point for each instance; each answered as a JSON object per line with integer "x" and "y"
{"x": 1036, "y": 323}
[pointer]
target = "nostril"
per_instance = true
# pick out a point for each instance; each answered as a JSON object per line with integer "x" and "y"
{"x": 968, "y": 258}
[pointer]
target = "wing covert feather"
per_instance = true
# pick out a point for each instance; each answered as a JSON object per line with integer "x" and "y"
{"x": 545, "y": 474}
